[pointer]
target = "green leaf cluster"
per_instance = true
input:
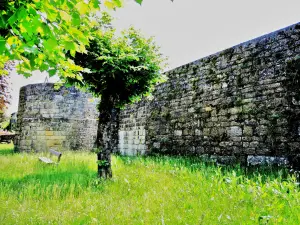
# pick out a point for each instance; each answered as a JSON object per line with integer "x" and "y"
{"x": 39, "y": 33}
{"x": 119, "y": 69}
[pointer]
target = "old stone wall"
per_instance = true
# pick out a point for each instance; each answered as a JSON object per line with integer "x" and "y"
{"x": 49, "y": 118}
{"x": 238, "y": 102}
{"x": 132, "y": 129}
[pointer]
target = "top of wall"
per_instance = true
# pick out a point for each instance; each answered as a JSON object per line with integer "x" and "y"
{"x": 44, "y": 100}
{"x": 49, "y": 86}
{"x": 264, "y": 39}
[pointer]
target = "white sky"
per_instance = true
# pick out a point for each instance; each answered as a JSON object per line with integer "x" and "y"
{"x": 188, "y": 30}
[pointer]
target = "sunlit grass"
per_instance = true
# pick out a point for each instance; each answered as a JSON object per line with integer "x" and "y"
{"x": 143, "y": 191}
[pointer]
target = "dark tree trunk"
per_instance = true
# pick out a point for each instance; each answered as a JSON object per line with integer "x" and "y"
{"x": 106, "y": 140}
{"x": 103, "y": 151}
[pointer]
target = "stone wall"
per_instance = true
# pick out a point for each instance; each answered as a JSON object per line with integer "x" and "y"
{"x": 132, "y": 131}
{"x": 50, "y": 118}
{"x": 239, "y": 102}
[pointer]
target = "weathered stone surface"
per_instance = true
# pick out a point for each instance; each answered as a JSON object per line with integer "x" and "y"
{"x": 267, "y": 160}
{"x": 240, "y": 101}
{"x": 49, "y": 118}
{"x": 235, "y": 131}
{"x": 132, "y": 128}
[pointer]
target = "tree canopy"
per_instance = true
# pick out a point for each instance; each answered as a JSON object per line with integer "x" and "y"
{"x": 121, "y": 67}
{"x": 38, "y": 33}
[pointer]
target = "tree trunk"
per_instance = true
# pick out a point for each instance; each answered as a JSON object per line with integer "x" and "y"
{"x": 105, "y": 141}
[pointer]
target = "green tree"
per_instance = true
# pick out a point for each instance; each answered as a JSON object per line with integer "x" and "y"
{"x": 121, "y": 70}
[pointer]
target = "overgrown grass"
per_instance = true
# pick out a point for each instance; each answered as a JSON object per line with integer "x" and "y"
{"x": 143, "y": 191}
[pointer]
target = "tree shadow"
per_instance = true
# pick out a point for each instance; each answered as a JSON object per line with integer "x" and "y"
{"x": 6, "y": 152}
{"x": 262, "y": 172}
{"x": 6, "y": 149}
{"x": 53, "y": 183}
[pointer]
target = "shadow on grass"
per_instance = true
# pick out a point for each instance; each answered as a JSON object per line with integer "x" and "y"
{"x": 6, "y": 152}
{"x": 263, "y": 173}
{"x": 53, "y": 183}
{"x": 6, "y": 149}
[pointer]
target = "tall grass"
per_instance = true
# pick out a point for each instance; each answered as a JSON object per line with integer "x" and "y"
{"x": 155, "y": 190}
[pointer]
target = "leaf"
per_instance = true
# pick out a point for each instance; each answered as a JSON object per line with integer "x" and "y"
{"x": 44, "y": 67}
{"x": 2, "y": 45}
{"x": 95, "y": 4}
{"x": 118, "y": 3}
{"x": 34, "y": 23}
{"x": 109, "y": 5}
{"x": 13, "y": 19}
{"x": 26, "y": 63}
{"x": 72, "y": 52}
{"x": 52, "y": 72}
{"x": 139, "y": 1}
{"x": 51, "y": 14}
{"x": 69, "y": 45}
{"x": 47, "y": 31}
{"x": 2, "y": 22}
{"x": 75, "y": 19}
{"x": 11, "y": 40}
{"x": 50, "y": 44}
{"x": 22, "y": 13}
{"x": 82, "y": 7}
{"x": 24, "y": 73}
{"x": 79, "y": 36}
{"x": 65, "y": 16}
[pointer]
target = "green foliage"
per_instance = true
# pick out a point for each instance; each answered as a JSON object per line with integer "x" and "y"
{"x": 38, "y": 33}
{"x": 154, "y": 190}
{"x": 3, "y": 60}
{"x": 139, "y": 1}
{"x": 120, "y": 68}
{"x": 5, "y": 125}
{"x": 4, "y": 86}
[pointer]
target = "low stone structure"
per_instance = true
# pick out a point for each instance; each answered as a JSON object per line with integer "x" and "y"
{"x": 239, "y": 102}
{"x": 55, "y": 118}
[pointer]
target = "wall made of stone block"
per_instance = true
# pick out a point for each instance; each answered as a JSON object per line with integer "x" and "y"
{"x": 238, "y": 102}
{"x": 132, "y": 131}
{"x": 63, "y": 118}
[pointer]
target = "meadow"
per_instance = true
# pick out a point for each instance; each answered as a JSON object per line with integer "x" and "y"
{"x": 144, "y": 190}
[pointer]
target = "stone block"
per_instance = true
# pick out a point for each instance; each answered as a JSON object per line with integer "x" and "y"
{"x": 156, "y": 145}
{"x": 198, "y": 132}
{"x": 234, "y": 131}
{"x": 178, "y": 132}
{"x": 206, "y": 131}
{"x": 247, "y": 131}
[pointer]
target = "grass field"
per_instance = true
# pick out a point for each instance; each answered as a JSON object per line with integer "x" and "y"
{"x": 143, "y": 191}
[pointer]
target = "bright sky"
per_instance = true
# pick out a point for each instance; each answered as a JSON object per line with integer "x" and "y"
{"x": 188, "y": 30}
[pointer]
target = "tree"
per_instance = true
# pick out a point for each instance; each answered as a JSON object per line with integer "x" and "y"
{"x": 48, "y": 35}
{"x": 121, "y": 70}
